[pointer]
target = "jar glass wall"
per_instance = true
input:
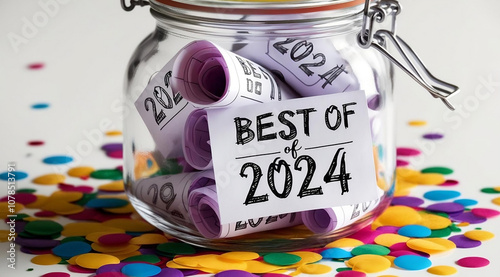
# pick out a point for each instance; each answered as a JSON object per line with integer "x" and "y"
{"x": 250, "y": 29}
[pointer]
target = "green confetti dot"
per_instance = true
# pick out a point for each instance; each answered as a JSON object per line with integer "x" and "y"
{"x": 86, "y": 198}
{"x": 111, "y": 174}
{"x": 437, "y": 169}
{"x": 340, "y": 269}
{"x": 281, "y": 259}
{"x": 370, "y": 249}
{"x": 43, "y": 228}
{"x": 490, "y": 190}
{"x": 152, "y": 259}
{"x": 29, "y": 269}
{"x": 76, "y": 238}
{"x": 26, "y": 191}
{"x": 440, "y": 233}
{"x": 175, "y": 248}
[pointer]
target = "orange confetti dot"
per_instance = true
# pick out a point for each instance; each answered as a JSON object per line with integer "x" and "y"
{"x": 49, "y": 179}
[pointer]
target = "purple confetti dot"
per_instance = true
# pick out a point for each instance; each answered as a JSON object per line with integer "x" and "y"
{"x": 468, "y": 217}
{"x": 170, "y": 272}
{"x": 447, "y": 207}
{"x": 234, "y": 273}
{"x": 110, "y": 268}
{"x": 407, "y": 201}
{"x": 37, "y": 243}
{"x": 433, "y": 136}
{"x": 112, "y": 147}
{"x": 388, "y": 229}
{"x": 462, "y": 241}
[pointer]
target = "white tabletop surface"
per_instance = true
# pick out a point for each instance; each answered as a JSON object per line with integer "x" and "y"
{"x": 85, "y": 46}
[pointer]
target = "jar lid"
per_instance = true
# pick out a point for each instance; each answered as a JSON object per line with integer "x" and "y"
{"x": 260, "y": 7}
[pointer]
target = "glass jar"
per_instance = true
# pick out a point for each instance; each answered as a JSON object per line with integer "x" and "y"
{"x": 316, "y": 38}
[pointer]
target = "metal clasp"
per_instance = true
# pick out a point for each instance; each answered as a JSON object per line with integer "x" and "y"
{"x": 133, "y": 3}
{"x": 410, "y": 63}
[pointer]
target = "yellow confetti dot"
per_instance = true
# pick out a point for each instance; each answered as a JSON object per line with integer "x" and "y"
{"x": 240, "y": 255}
{"x": 389, "y": 239}
{"x": 96, "y": 260}
{"x": 433, "y": 222}
{"x": 49, "y": 179}
{"x": 121, "y": 210}
{"x": 84, "y": 228}
{"x": 496, "y": 200}
{"x": 369, "y": 263}
{"x": 130, "y": 225}
{"x": 427, "y": 179}
{"x": 259, "y": 267}
{"x": 344, "y": 242}
{"x": 145, "y": 165}
{"x": 6, "y": 210}
{"x": 111, "y": 133}
{"x": 404, "y": 174}
{"x": 46, "y": 259}
{"x": 463, "y": 224}
{"x": 417, "y": 123}
{"x": 306, "y": 257}
{"x": 442, "y": 270}
{"x": 431, "y": 245}
{"x": 68, "y": 196}
{"x": 62, "y": 207}
{"x": 147, "y": 239}
{"x": 113, "y": 186}
{"x": 4, "y": 235}
{"x": 127, "y": 255}
{"x": 220, "y": 264}
{"x": 399, "y": 216}
{"x": 480, "y": 235}
{"x": 314, "y": 269}
{"x": 80, "y": 171}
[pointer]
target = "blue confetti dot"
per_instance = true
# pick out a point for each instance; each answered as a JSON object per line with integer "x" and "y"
{"x": 106, "y": 203}
{"x": 58, "y": 160}
{"x": 40, "y": 106}
{"x": 466, "y": 202}
{"x": 440, "y": 195}
{"x": 335, "y": 253}
{"x": 18, "y": 175}
{"x": 70, "y": 249}
{"x": 141, "y": 270}
{"x": 412, "y": 262}
{"x": 414, "y": 231}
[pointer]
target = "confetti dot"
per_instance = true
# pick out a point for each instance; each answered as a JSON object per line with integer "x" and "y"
{"x": 116, "y": 186}
{"x": 46, "y": 259}
{"x": 110, "y": 174}
{"x": 58, "y": 160}
{"x": 43, "y": 228}
{"x": 40, "y": 106}
{"x": 80, "y": 171}
{"x": 336, "y": 253}
{"x": 442, "y": 270}
{"x": 114, "y": 239}
{"x": 414, "y": 231}
{"x": 406, "y": 151}
{"x": 35, "y": 66}
{"x": 140, "y": 270}
{"x": 468, "y": 217}
{"x": 281, "y": 259}
{"x": 412, "y": 262}
{"x": 147, "y": 239}
{"x": 369, "y": 263}
{"x": 466, "y": 202}
{"x": 95, "y": 260}
{"x": 56, "y": 274}
{"x": 437, "y": 169}
{"x": 449, "y": 182}
{"x": 490, "y": 190}
{"x": 496, "y": 200}
{"x": 388, "y": 240}
{"x": 35, "y": 143}
{"x": 23, "y": 198}
{"x": 370, "y": 249}
{"x": 351, "y": 273}
{"x": 240, "y": 255}
{"x": 432, "y": 136}
{"x": 18, "y": 175}
{"x": 417, "y": 123}
{"x": 152, "y": 259}
{"x": 344, "y": 242}
{"x": 480, "y": 235}
{"x": 441, "y": 195}
{"x": 473, "y": 262}
{"x": 446, "y": 207}
{"x": 130, "y": 225}
{"x": 106, "y": 203}
{"x": 399, "y": 216}
{"x": 314, "y": 269}
{"x": 49, "y": 179}
{"x": 407, "y": 201}
{"x": 462, "y": 241}
{"x": 178, "y": 248}
{"x": 402, "y": 162}
{"x": 112, "y": 133}
{"x": 72, "y": 248}
{"x": 486, "y": 213}
{"x": 431, "y": 245}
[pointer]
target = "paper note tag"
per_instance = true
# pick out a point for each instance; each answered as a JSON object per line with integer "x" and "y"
{"x": 164, "y": 112}
{"x": 290, "y": 156}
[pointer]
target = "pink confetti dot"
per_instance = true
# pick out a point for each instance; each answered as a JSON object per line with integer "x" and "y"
{"x": 36, "y": 143}
{"x": 402, "y": 163}
{"x": 473, "y": 262}
{"x": 56, "y": 274}
{"x": 407, "y": 151}
{"x": 350, "y": 273}
{"x": 35, "y": 66}
{"x": 114, "y": 239}
{"x": 449, "y": 182}
{"x": 486, "y": 213}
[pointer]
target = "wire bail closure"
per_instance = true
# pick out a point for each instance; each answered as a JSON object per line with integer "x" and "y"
{"x": 133, "y": 3}
{"x": 410, "y": 63}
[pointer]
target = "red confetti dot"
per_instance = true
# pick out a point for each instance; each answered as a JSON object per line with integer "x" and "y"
{"x": 45, "y": 214}
{"x": 79, "y": 269}
{"x": 473, "y": 262}
{"x": 36, "y": 66}
{"x": 114, "y": 239}
{"x": 36, "y": 143}
{"x": 449, "y": 182}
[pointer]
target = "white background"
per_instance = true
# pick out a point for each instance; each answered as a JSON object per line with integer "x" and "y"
{"x": 86, "y": 46}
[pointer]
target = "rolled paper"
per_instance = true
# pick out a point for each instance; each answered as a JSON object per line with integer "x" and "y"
{"x": 168, "y": 194}
{"x": 204, "y": 210}
{"x": 210, "y": 76}
{"x": 309, "y": 66}
{"x": 196, "y": 142}
{"x": 322, "y": 221}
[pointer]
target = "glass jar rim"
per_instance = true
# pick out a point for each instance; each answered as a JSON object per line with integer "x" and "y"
{"x": 260, "y": 7}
